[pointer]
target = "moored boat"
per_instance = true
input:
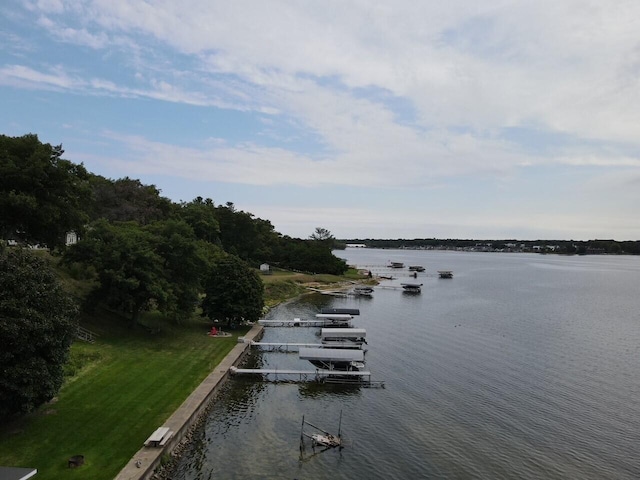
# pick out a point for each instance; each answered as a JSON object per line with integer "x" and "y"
{"x": 362, "y": 290}
{"x": 343, "y": 337}
{"x": 343, "y": 359}
{"x": 412, "y": 287}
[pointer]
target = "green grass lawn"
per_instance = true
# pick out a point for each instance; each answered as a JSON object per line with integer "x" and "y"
{"x": 124, "y": 386}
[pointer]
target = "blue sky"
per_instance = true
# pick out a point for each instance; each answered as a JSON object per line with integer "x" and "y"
{"x": 397, "y": 119}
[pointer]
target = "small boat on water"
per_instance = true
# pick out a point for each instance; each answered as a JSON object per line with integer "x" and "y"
{"x": 416, "y": 268}
{"x": 445, "y": 273}
{"x": 362, "y": 291}
{"x": 412, "y": 287}
{"x": 343, "y": 337}
{"x": 396, "y": 264}
{"x": 342, "y": 359}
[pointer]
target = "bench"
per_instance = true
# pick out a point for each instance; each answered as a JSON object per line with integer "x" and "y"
{"x": 159, "y": 438}
{"x": 166, "y": 438}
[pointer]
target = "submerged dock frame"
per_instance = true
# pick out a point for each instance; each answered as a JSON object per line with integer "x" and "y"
{"x": 356, "y": 378}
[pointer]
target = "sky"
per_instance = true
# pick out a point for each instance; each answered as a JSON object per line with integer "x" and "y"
{"x": 372, "y": 119}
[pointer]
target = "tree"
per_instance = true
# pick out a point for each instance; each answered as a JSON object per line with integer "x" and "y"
{"x": 201, "y": 215}
{"x": 37, "y": 325}
{"x": 161, "y": 265}
{"x": 185, "y": 264}
{"x": 131, "y": 274}
{"x": 322, "y": 235}
{"x": 234, "y": 292}
{"x": 42, "y": 196}
{"x": 127, "y": 200}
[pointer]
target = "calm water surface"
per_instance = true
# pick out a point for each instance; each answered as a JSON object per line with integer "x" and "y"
{"x": 522, "y": 366}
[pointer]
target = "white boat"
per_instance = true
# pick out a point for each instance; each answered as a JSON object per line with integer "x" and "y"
{"x": 396, "y": 265}
{"x": 335, "y": 319}
{"x": 362, "y": 290}
{"x": 343, "y": 337}
{"x": 412, "y": 287}
{"x": 343, "y": 359}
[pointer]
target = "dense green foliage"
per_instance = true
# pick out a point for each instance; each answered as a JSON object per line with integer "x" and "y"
{"x": 160, "y": 265}
{"x": 41, "y": 195}
{"x": 119, "y": 390}
{"x": 126, "y": 200}
{"x": 234, "y": 292}
{"x": 146, "y": 252}
{"x": 37, "y": 325}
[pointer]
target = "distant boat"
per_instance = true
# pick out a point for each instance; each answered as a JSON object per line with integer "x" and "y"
{"x": 416, "y": 268}
{"x": 362, "y": 290}
{"x": 445, "y": 273}
{"x": 412, "y": 287}
{"x": 396, "y": 265}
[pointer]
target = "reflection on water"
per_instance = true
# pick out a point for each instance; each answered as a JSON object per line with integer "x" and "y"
{"x": 521, "y": 366}
{"x": 334, "y": 391}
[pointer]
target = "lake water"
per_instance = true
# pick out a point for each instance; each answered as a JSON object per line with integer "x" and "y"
{"x": 522, "y": 366}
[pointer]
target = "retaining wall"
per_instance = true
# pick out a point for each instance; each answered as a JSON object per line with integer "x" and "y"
{"x": 145, "y": 461}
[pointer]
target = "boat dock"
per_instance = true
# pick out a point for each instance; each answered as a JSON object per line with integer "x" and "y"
{"x": 321, "y": 320}
{"x": 285, "y": 347}
{"x": 358, "y": 378}
{"x": 296, "y": 322}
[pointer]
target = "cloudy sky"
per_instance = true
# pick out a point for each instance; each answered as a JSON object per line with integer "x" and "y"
{"x": 380, "y": 119}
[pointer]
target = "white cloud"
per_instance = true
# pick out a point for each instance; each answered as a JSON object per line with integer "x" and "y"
{"x": 396, "y": 94}
{"x": 25, "y": 77}
{"x": 568, "y": 66}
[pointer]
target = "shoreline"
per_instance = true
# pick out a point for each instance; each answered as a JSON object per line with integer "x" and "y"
{"x": 150, "y": 463}
{"x": 145, "y": 462}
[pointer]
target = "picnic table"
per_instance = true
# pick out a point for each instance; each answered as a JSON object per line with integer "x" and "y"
{"x": 159, "y": 438}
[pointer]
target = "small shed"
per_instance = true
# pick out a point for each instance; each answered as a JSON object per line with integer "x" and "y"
{"x": 265, "y": 269}
{"x": 71, "y": 238}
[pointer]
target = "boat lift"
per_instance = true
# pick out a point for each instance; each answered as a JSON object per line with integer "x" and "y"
{"x": 320, "y": 436}
{"x": 356, "y": 378}
{"x": 284, "y": 347}
{"x": 322, "y": 320}
{"x": 351, "y": 338}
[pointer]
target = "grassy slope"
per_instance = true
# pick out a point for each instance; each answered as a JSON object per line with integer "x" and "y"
{"x": 124, "y": 386}
{"x": 131, "y": 381}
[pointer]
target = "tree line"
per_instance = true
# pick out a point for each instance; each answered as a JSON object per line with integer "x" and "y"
{"x": 140, "y": 250}
{"x": 580, "y": 247}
